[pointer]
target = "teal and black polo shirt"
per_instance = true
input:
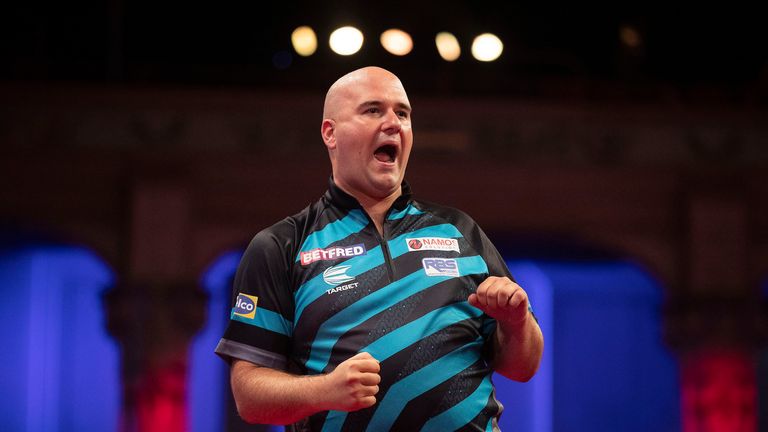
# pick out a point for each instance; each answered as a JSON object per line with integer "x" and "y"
{"x": 321, "y": 286}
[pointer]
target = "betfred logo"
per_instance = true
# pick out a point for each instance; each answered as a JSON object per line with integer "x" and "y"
{"x": 440, "y": 267}
{"x": 432, "y": 243}
{"x": 332, "y": 253}
{"x": 245, "y": 306}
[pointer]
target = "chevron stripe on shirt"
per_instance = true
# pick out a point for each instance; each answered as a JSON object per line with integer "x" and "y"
{"x": 327, "y": 285}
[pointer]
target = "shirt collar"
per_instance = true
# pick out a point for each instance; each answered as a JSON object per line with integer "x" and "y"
{"x": 336, "y": 196}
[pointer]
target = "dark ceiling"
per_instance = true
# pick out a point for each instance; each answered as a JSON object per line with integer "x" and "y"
{"x": 548, "y": 47}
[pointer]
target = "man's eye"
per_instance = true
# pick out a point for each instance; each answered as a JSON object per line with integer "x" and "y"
{"x": 372, "y": 110}
{"x": 402, "y": 114}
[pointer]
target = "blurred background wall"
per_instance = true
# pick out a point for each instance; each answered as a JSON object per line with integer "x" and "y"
{"x": 617, "y": 156}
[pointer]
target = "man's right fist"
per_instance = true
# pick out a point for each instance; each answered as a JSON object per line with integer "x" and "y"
{"x": 354, "y": 383}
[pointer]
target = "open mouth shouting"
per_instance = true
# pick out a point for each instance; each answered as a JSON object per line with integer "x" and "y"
{"x": 386, "y": 153}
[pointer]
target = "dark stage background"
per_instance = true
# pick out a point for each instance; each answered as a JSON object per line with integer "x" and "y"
{"x": 617, "y": 155}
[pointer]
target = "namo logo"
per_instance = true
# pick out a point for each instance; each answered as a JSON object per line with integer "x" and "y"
{"x": 432, "y": 243}
{"x": 245, "y": 306}
{"x": 414, "y": 244}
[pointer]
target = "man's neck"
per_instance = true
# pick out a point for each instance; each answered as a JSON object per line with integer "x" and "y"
{"x": 376, "y": 208}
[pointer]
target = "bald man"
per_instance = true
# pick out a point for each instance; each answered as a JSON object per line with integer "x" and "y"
{"x": 369, "y": 309}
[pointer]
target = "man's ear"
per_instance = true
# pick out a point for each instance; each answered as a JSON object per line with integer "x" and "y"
{"x": 328, "y": 131}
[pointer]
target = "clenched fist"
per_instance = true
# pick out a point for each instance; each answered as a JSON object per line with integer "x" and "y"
{"x": 354, "y": 383}
{"x": 501, "y": 299}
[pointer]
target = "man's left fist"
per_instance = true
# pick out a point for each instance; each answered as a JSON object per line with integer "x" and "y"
{"x": 502, "y": 299}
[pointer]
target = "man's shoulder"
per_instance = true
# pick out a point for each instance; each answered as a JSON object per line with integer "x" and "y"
{"x": 286, "y": 232}
{"x": 448, "y": 213}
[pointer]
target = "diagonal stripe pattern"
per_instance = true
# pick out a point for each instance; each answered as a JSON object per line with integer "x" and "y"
{"x": 352, "y": 223}
{"x": 355, "y": 314}
{"x": 315, "y": 287}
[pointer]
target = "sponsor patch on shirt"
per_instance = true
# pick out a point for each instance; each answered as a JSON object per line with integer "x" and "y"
{"x": 245, "y": 305}
{"x": 331, "y": 253}
{"x": 337, "y": 275}
{"x": 340, "y": 288}
{"x": 432, "y": 243}
{"x": 440, "y": 267}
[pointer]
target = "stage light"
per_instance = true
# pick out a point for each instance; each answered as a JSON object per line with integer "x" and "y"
{"x": 487, "y": 47}
{"x": 346, "y": 40}
{"x": 397, "y": 42}
{"x": 304, "y": 41}
{"x": 630, "y": 36}
{"x": 447, "y": 46}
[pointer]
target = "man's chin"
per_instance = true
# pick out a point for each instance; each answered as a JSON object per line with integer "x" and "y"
{"x": 386, "y": 187}
{"x": 388, "y": 181}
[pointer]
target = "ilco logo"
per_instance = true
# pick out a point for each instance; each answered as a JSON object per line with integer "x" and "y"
{"x": 440, "y": 267}
{"x": 432, "y": 243}
{"x": 245, "y": 305}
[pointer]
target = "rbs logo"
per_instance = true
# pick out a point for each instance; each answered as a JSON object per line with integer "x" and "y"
{"x": 440, "y": 267}
{"x": 245, "y": 306}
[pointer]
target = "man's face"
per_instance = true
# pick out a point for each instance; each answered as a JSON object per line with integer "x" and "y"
{"x": 371, "y": 138}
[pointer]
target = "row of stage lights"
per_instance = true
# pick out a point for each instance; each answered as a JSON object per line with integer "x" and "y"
{"x": 348, "y": 40}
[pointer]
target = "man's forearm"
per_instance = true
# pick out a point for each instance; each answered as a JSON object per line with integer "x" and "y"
{"x": 518, "y": 349}
{"x": 269, "y": 396}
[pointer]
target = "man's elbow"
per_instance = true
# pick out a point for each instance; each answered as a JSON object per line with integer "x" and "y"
{"x": 520, "y": 374}
{"x": 523, "y": 370}
{"x": 524, "y": 376}
{"x": 254, "y": 415}
{"x": 247, "y": 413}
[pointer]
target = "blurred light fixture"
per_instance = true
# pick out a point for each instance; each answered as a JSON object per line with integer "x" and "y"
{"x": 397, "y": 42}
{"x": 346, "y": 40}
{"x": 447, "y": 46}
{"x": 487, "y": 47}
{"x": 304, "y": 41}
{"x": 630, "y": 36}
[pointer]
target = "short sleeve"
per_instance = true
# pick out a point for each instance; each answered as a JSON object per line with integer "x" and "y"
{"x": 262, "y": 306}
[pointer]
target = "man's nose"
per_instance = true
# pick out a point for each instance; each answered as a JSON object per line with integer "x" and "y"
{"x": 391, "y": 124}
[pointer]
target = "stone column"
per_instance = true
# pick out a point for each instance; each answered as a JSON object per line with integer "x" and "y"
{"x": 717, "y": 321}
{"x": 156, "y": 310}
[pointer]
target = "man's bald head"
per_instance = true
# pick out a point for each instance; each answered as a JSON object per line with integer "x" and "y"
{"x": 367, "y": 129}
{"x": 342, "y": 89}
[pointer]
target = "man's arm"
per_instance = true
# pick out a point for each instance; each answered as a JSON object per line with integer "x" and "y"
{"x": 269, "y": 396}
{"x": 518, "y": 342}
